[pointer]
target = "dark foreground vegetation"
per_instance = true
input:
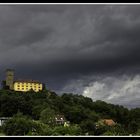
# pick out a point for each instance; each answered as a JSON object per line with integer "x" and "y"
{"x": 34, "y": 114}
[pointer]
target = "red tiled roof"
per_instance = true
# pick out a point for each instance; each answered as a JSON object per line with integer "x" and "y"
{"x": 109, "y": 122}
{"x": 27, "y": 81}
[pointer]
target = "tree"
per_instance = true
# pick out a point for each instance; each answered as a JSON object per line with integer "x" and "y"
{"x": 18, "y": 125}
{"x": 44, "y": 87}
{"x": 75, "y": 114}
{"x": 40, "y": 129}
{"x": 71, "y": 130}
{"x": 87, "y": 126}
{"x": 8, "y": 105}
{"x": 138, "y": 132}
{"x": 101, "y": 130}
{"x": 3, "y": 84}
{"x": 36, "y": 111}
{"x": 133, "y": 127}
{"x": 116, "y": 130}
{"x": 47, "y": 116}
{"x": 44, "y": 105}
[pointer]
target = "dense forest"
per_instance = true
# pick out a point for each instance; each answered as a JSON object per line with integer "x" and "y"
{"x": 34, "y": 114}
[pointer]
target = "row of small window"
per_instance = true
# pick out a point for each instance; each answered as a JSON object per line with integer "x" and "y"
{"x": 28, "y": 86}
{"x": 28, "y": 89}
{"x": 25, "y": 89}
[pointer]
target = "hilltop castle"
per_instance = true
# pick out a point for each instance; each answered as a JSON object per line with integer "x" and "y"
{"x": 21, "y": 85}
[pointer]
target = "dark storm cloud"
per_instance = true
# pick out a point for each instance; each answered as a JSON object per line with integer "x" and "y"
{"x": 79, "y": 37}
{"x": 58, "y": 44}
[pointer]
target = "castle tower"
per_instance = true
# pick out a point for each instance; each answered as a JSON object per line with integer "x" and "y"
{"x": 9, "y": 78}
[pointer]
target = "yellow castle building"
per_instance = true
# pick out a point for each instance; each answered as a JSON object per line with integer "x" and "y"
{"x": 21, "y": 85}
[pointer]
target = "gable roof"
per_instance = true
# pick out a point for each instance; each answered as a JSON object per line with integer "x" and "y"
{"x": 109, "y": 122}
{"x": 27, "y": 81}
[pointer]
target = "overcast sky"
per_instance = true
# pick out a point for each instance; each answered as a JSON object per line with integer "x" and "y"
{"x": 93, "y": 50}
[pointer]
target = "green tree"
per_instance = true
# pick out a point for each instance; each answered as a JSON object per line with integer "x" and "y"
{"x": 18, "y": 125}
{"x": 75, "y": 114}
{"x": 88, "y": 126}
{"x": 47, "y": 116}
{"x": 40, "y": 129}
{"x": 138, "y": 132}
{"x": 8, "y": 105}
{"x": 71, "y": 130}
{"x": 117, "y": 130}
{"x": 36, "y": 111}
{"x": 133, "y": 127}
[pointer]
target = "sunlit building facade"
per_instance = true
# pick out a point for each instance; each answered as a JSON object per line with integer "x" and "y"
{"x": 21, "y": 85}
